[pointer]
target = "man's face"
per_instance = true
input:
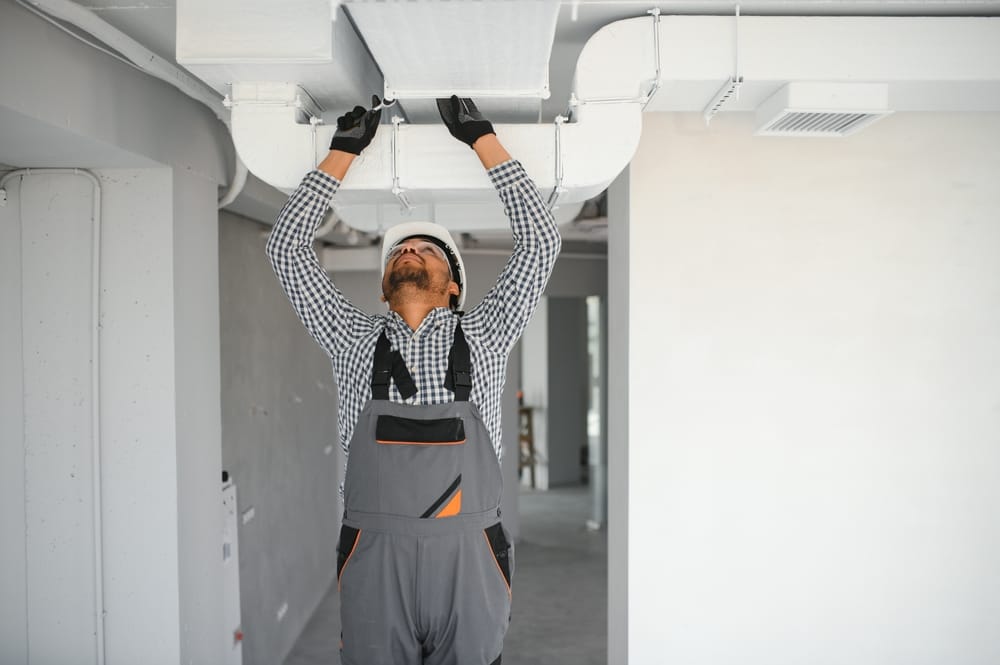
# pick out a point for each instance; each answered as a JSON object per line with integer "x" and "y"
{"x": 419, "y": 266}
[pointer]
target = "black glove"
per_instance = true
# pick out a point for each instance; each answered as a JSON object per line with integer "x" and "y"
{"x": 463, "y": 119}
{"x": 356, "y": 129}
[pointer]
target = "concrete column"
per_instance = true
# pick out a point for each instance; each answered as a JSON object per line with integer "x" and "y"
{"x": 619, "y": 197}
{"x": 159, "y": 414}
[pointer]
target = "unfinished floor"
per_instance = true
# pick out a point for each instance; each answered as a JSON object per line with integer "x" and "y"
{"x": 560, "y": 590}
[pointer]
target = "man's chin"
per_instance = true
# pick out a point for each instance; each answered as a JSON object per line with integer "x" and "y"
{"x": 408, "y": 274}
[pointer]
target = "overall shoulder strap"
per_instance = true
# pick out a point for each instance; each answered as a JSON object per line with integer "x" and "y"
{"x": 388, "y": 364}
{"x": 381, "y": 368}
{"x": 458, "y": 378}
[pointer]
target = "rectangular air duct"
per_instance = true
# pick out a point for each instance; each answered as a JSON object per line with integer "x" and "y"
{"x": 495, "y": 52}
{"x": 308, "y": 43}
{"x": 822, "y": 109}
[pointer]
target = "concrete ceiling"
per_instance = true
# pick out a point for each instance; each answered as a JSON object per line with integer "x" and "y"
{"x": 152, "y": 22}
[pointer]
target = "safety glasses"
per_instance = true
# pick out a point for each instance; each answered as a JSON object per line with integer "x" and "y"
{"x": 420, "y": 247}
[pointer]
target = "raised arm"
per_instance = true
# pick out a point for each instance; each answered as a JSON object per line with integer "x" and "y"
{"x": 328, "y": 316}
{"x": 505, "y": 311}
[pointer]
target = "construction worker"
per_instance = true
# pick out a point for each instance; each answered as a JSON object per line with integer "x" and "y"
{"x": 424, "y": 565}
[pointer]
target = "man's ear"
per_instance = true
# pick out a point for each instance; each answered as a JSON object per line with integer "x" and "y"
{"x": 453, "y": 288}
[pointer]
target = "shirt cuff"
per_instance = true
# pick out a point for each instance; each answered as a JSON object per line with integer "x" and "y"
{"x": 507, "y": 173}
{"x": 321, "y": 183}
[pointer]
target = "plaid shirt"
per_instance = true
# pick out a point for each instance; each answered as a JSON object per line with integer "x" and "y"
{"x": 348, "y": 334}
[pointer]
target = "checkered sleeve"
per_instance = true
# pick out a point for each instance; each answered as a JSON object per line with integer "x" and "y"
{"x": 504, "y": 313}
{"x": 328, "y": 316}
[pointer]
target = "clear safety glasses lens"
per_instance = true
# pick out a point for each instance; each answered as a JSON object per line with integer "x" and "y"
{"x": 421, "y": 247}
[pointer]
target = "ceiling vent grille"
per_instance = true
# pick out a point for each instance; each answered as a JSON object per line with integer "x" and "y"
{"x": 822, "y": 109}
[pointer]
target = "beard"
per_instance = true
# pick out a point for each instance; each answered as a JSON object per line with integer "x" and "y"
{"x": 414, "y": 275}
{"x": 411, "y": 280}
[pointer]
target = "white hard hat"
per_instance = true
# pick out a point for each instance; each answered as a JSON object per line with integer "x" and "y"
{"x": 442, "y": 238}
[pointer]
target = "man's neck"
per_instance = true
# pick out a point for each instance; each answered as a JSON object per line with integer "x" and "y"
{"x": 414, "y": 313}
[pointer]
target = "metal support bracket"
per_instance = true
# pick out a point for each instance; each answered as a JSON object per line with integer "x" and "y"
{"x": 558, "y": 190}
{"x": 574, "y": 101}
{"x": 314, "y": 122}
{"x": 398, "y": 191}
{"x": 731, "y": 87}
{"x": 658, "y": 80}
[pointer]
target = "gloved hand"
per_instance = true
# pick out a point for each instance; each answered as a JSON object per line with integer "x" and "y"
{"x": 463, "y": 119}
{"x": 356, "y": 129}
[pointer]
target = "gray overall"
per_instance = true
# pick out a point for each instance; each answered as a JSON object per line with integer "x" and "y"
{"x": 424, "y": 565}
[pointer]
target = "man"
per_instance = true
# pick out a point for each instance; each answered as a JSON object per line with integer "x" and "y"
{"x": 424, "y": 564}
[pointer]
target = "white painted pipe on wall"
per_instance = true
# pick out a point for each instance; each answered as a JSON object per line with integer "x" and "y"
{"x": 95, "y": 386}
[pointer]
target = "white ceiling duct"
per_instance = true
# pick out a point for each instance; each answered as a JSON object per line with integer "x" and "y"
{"x": 420, "y": 172}
{"x": 306, "y": 42}
{"x": 490, "y": 51}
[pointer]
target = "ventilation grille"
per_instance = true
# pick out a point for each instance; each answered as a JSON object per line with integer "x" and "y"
{"x": 811, "y": 123}
{"x": 803, "y": 108}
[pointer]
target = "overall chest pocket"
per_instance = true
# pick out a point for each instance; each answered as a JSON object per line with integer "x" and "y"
{"x": 396, "y": 430}
{"x": 420, "y": 464}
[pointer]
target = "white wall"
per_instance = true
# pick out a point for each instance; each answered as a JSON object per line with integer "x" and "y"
{"x": 815, "y": 394}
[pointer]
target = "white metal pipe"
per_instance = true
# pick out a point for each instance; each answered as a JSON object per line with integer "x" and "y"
{"x": 95, "y": 388}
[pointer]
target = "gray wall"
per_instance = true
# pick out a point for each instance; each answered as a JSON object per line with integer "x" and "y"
{"x": 280, "y": 443}
{"x": 568, "y": 386}
{"x": 619, "y": 196}
{"x": 13, "y": 564}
